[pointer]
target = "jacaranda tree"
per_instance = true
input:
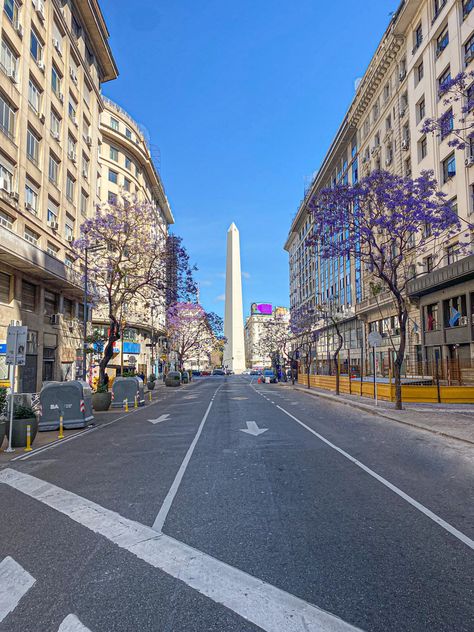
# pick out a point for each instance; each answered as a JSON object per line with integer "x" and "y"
{"x": 386, "y": 222}
{"x": 129, "y": 263}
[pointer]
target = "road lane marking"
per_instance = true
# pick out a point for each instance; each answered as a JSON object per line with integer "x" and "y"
{"x": 170, "y": 496}
{"x": 427, "y": 512}
{"x": 72, "y": 624}
{"x": 253, "y": 429}
{"x": 15, "y": 582}
{"x": 159, "y": 419}
{"x": 268, "y": 607}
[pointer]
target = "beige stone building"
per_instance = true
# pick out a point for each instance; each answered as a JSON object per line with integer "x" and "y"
{"x": 54, "y": 57}
{"x": 126, "y": 165}
{"x": 257, "y": 354}
{"x": 425, "y": 43}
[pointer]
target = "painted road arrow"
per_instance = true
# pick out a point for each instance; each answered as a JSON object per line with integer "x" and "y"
{"x": 253, "y": 429}
{"x": 159, "y": 419}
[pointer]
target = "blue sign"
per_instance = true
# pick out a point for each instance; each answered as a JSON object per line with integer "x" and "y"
{"x": 3, "y": 348}
{"x": 131, "y": 347}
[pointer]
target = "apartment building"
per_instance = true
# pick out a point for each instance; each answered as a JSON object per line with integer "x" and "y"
{"x": 54, "y": 56}
{"x": 126, "y": 165}
{"x": 425, "y": 44}
{"x": 257, "y": 351}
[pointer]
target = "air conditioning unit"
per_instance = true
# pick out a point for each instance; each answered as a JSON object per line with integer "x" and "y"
{"x": 388, "y": 162}
{"x": 55, "y": 135}
{"x": 89, "y": 140}
{"x": 53, "y": 225}
{"x": 74, "y": 120}
{"x": 14, "y": 196}
{"x": 61, "y": 97}
{"x": 40, "y": 9}
{"x": 403, "y": 74}
{"x": 5, "y": 184}
{"x": 469, "y": 161}
{"x": 55, "y": 319}
{"x": 42, "y": 119}
{"x": 73, "y": 75}
{"x": 405, "y": 144}
{"x": 12, "y": 75}
{"x": 40, "y": 64}
{"x": 29, "y": 207}
{"x": 70, "y": 238}
{"x": 85, "y": 173}
{"x": 72, "y": 155}
{"x": 57, "y": 45}
{"x": 463, "y": 320}
{"x": 18, "y": 28}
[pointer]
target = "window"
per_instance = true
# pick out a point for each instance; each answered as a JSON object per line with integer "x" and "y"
{"x": 31, "y": 236}
{"x": 6, "y": 220}
{"x": 31, "y": 198}
{"x": 57, "y": 38}
{"x": 69, "y": 230}
{"x": 34, "y": 96}
{"x": 420, "y": 110}
{"x": 453, "y": 203}
{"x": 86, "y": 128}
{"x": 114, "y": 124}
{"x": 452, "y": 254}
{"x": 53, "y": 169}
{"x": 53, "y": 211}
{"x": 113, "y": 176}
{"x": 6, "y": 172}
{"x": 86, "y": 93}
{"x": 50, "y": 299}
{"x": 55, "y": 81}
{"x": 128, "y": 133}
{"x": 5, "y": 285}
{"x": 449, "y": 168}
{"x": 454, "y": 311}
{"x": 32, "y": 146}
{"x": 69, "y": 261}
{"x": 386, "y": 92}
{"x": 28, "y": 296}
{"x": 89, "y": 56}
{"x": 72, "y": 110}
{"x": 53, "y": 251}
{"x": 84, "y": 203}
{"x": 11, "y": 9}
{"x": 443, "y": 82}
{"x": 70, "y": 184}
{"x": 442, "y": 42}
{"x": 76, "y": 28}
{"x": 8, "y": 60}
{"x": 467, "y": 6}
{"x": 422, "y": 148}
{"x": 432, "y": 319}
{"x": 420, "y": 71}
{"x": 469, "y": 50}
{"x": 71, "y": 147}
{"x": 36, "y": 47}
{"x": 126, "y": 184}
{"x": 68, "y": 308}
{"x": 418, "y": 37}
{"x": 114, "y": 154}
{"x": 85, "y": 166}
{"x": 111, "y": 198}
{"x": 438, "y": 5}
{"x": 128, "y": 163}
{"x": 429, "y": 263}
{"x": 447, "y": 123}
{"x": 55, "y": 125}
{"x": 7, "y": 118}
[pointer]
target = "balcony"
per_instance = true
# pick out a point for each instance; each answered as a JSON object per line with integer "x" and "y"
{"x": 459, "y": 271}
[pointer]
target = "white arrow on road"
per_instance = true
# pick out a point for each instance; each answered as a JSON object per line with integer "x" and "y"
{"x": 159, "y": 419}
{"x": 253, "y": 429}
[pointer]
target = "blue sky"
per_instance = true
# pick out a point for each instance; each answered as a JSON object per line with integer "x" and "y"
{"x": 242, "y": 100}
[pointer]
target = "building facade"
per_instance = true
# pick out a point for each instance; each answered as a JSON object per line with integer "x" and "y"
{"x": 54, "y": 57}
{"x": 257, "y": 349}
{"x": 425, "y": 44}
{"x": 126, "y": 165}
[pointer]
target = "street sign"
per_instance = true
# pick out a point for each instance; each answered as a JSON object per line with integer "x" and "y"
{"x": 132, "y": 359}
{"x": 16, "y": 345}
{"x": 375, "y": 339}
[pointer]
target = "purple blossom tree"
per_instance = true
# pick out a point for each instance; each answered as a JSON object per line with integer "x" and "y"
{"x": 457, "y": 121}
{"x": 386, "y": 222}
{"x": 193, "y": 332}
{"x": 129, "y": 263}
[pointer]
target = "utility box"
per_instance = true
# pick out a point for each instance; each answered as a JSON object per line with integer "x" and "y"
{"x": 127, "y": 388}
{"x": 72, "y": 400}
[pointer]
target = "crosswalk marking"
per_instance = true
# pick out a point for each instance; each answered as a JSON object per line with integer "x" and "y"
{"x": 14, "y": 583}
{"x": 267, "y": 606}
{"x": 72, "y": 624}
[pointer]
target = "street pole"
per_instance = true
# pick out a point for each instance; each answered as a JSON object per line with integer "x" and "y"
{"x": 12, "y": 396}
{"x": 375, "y": 376}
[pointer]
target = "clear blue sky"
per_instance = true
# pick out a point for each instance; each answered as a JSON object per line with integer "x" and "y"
{"x": 242, "y": 99}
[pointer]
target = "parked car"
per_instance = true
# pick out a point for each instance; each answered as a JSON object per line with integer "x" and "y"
{"x": 205, "y": 373}
{"x": 197, "y": 373}
{"x": 173, "y": 378}
{"x": 254, "y": 372}
{"x": 218, "y": 372}
{"x": 269, "y": 376}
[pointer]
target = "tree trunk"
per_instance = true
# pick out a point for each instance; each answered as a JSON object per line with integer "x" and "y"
{"x": 336, "y": 359}
{"x": 114, "y": 335}
{"x": 397, "y": 365}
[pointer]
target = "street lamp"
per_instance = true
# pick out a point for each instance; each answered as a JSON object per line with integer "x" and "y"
{"x": 86, "y": 310}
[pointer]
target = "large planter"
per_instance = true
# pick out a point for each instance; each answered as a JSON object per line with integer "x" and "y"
{"x": 101, "y": 401}
{"x": 3, "y": 428}
{"x": 19, "y": 431}
{"x": 150, "y": 385}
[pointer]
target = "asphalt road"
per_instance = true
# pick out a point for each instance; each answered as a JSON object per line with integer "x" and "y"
{"x": 246, "y": 507}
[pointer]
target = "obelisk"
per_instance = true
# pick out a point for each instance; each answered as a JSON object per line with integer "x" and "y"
{"x": 234, "y": 350}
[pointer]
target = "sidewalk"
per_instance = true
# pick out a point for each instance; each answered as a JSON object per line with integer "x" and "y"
{"x": 455, "y": 421}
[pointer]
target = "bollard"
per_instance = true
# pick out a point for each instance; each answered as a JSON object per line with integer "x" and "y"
{"x": 61, "y": 428}
{"x": 28, "y": 439}
{"x": 125, "y": 404}
{"x": 135, "y": 405}
{"x": 149, "y": 396}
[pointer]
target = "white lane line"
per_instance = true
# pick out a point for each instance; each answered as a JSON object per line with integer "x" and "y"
{"x": 170, "y": 496}
{"x": 72, "y": 624}
{"x": 268, "y": 607}
{"x": 427, "y": 512}
{"x": 14, "y": 583}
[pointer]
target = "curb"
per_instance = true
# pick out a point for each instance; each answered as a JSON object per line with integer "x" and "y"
{"x": 378, "y": 413}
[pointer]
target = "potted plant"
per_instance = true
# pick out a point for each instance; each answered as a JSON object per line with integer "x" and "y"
{"x": 102, "y": 398}
{"x": 151, "y": 381}
{"x": 23, "y": 416}
{"x": 3, "y": 407}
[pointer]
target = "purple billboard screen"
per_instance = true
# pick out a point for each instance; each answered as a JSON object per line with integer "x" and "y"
{"x": 262, "y": 308}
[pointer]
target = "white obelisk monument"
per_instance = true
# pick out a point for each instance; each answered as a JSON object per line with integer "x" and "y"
{"x": 234, "y": 349}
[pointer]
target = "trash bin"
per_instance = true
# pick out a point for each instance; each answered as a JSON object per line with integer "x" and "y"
{"x": 127, "y": 388}
{"x": 71, "y": 399}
